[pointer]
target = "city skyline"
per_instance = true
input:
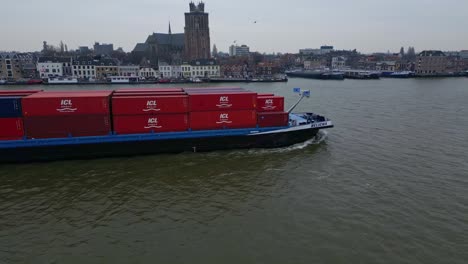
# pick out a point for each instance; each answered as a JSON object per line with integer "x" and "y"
{"x": 368, "y": 26}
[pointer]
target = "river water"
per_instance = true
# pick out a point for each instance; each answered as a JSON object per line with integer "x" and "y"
{"x": 388, "y": 184}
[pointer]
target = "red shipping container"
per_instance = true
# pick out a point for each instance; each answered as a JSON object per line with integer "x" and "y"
{"x": 273, "y": 119}
{"x": 270, "y": 104}
{"x": 66, "y": 103}
{"x": 63, "y": 126}
{"x": 222, "y": 101}
{"x": 265, "y": 94}
{"x": 139, "y": 90}
{"x": 11, "y": 128}
{"x": 138, "y": 124}
{"x": 138, "y": 105}
{"x": 223, "y": 119}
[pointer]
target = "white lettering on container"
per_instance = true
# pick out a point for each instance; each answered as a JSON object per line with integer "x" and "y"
{"x": 224, "y": 119}
{"x": 66, "y": 106}
{"x": 224, "y": 102}
{"x": 152, "y": 123}
{"x": 269, "y": 104}
{"x": 151, "y": 105}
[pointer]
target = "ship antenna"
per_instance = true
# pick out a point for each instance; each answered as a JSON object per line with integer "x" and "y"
{"x": 302, "y": 94}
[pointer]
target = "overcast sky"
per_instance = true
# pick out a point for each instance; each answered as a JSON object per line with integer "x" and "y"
{"x": 282, "y": 26}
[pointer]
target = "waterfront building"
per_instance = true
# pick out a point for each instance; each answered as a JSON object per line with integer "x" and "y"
{"x": 54, "y": 67}
{"x": 103, "y": 49}
{"x": 186, "y": 70}
{"x": 404, "y": 65}
{"x": 242, "y": 50}
{"x": 149, "y": 73}
{"x": 315, "y": 63}
{"x": 10, "y": 67}
{"x": 129, "y": 70}
{"x": 431, "y": 62}
{"x": 204, "y": 68}
{"x": 338, "y": 62}
{"x": 170, "y": 71}
{"x": 386, "y": 66}
{"x": 197, "y": 33}
{"x": 106, "y": 68}
{"x": 267, "y": 69}
{"x": 27, "y": 63}
{"x": 455, "y": 63}
{"x": 84, "y": 67}
{"x": 235, "y": 70}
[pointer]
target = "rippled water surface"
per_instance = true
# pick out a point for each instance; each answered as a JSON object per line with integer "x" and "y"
{"x": 388, "y": 184}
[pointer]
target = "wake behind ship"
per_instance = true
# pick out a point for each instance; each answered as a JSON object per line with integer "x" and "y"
{"x": 42, "y": 125}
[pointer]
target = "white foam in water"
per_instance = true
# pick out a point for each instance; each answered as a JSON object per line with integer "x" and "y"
{"x": 319, "y": 138}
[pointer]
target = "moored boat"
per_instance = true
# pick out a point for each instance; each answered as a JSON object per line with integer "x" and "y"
{"x": 361, "y": 74}
{"x": 317, "y": 74}
{"x": 398, "y": 74}
{"x": 62, "y": 80}
{"x": 122, "y": 79}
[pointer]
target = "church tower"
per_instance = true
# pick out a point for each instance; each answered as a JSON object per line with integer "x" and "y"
{"x": 197, "y": 33}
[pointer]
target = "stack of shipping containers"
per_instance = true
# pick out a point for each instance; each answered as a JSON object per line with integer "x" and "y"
{"x": 11, "y": 115}
{"x": 222, "y": 108}
{"x": 137, "y": 111}
{"x": 270, "y": 111}
{"x": 34, "y": 114}
{"x": 67, "y": 114}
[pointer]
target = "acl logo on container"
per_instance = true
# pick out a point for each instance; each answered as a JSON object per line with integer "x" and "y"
{"x": 269, "y": 104}
{"x": 224, "y": 119}
{"x": 153, "y": 123}
{"x": 224, "y": 102}
{"x": 66, "y": 106}
{"x": 151, "y": 105}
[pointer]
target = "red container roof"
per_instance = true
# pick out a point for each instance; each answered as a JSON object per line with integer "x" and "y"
{"x": 133, "y": 90}
{"x": 70, "y": 94}
{"x": 148, "y": 94}
{"x": 19, "y": 91}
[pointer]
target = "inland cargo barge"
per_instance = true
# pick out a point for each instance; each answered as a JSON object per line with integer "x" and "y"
{"x": 45, "y": 126}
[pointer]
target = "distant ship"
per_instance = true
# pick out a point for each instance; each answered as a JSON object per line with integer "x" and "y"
{"x": 361, "y": 74}
{"x": 398, "y": 74}
{"x": 62, "y": 80}
{"x": 316, "y": 74}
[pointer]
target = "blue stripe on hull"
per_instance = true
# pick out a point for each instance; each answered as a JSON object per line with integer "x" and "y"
{"x": 132, "y": 137}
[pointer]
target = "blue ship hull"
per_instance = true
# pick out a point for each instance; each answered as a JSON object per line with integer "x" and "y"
{"x": 145, "y": 144}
